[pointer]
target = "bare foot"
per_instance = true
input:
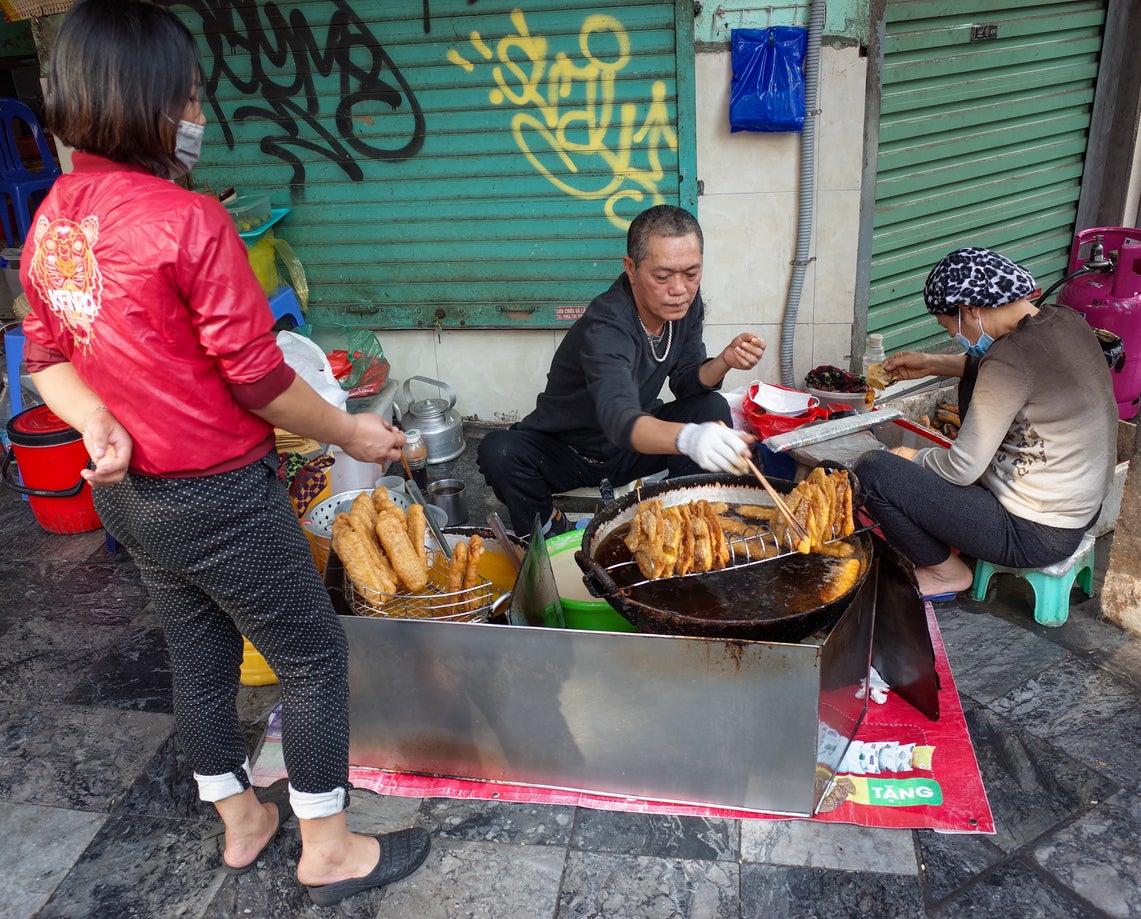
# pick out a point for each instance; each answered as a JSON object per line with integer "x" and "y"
{"x": 949, "y": 577}
{"x": 358, "y": 860}
{"x": 244, "y": 845}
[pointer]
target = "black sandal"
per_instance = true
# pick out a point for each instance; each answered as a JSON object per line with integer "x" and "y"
{"x": 401, "y": 853}
{"x": 278, "y": 794}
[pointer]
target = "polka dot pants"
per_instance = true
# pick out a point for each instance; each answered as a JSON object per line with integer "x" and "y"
{"x": 223, "y": 556}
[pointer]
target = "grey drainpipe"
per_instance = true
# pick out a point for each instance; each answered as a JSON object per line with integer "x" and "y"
{"x": 807, "y": 190}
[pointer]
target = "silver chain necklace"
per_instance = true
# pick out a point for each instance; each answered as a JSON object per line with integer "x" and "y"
{"x": 650, "y": 340}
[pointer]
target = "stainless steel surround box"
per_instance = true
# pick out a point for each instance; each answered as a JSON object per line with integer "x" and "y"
{"x": 740, "y": 724}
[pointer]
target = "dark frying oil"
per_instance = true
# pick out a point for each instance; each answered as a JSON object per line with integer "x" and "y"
{"x": 780, "y": 587}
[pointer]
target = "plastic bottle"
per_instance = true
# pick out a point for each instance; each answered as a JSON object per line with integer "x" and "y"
{"x": 873, "y": 352}
{"x": 416, "y": 455}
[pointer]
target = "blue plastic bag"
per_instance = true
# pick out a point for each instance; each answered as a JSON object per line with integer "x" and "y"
{"x": 767, "y": 92}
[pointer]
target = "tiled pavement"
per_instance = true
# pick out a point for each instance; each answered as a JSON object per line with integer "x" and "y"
{"x": 98, "y": 815}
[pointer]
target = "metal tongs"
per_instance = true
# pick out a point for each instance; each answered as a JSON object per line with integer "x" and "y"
{"x": 506, "y": 544}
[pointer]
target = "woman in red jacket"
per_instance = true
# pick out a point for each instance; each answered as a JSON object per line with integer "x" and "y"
{"x": 150, "y": 334}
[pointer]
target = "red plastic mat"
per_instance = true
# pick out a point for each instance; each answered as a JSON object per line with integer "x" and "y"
{"x": 915, "y": 773}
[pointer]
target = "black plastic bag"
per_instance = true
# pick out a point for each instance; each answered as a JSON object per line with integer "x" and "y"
{"x": 1113, "y": 348}
{"x": 767, "y": 92}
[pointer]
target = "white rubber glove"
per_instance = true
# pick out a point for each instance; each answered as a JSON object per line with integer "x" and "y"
{"x": 714, "y": 447}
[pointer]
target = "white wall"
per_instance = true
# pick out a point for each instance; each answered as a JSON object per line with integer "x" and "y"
{"x": 748, "y": 214}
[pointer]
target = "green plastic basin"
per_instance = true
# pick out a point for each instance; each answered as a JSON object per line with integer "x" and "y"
{"x": 580, "y": 610}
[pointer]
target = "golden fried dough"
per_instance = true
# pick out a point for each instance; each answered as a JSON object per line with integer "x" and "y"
{"x": 702, "y": 551}
{"x": 822, "y": 503}
{"x": 878, "y": 377}
{"x": 685, "y": 548}
{"x": 757, "y": 512}
{"x": 736, "y": 527}
{"x": 353, "y": 551}
{"x": 381, "y": 499}
{"x": 665, "y": 552}
{"x": 841, "y": 579}
{"x": 474, "y": 551}
{"x": 837, "y": 549}
{"x": 417, "y": 524}
{"x": 363, "y": 512}
{"x": 458, "y": 567}
{"x": 405, "y": 559}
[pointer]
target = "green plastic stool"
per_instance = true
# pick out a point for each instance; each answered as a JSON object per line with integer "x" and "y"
{"x": 1051, "y": 584}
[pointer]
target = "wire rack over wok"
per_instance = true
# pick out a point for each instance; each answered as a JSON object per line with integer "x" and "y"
{"x": 753, "y": 545}
{"x": 436, "y": 601}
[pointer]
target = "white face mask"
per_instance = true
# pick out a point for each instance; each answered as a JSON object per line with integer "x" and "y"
{"x": 187, "y": 146}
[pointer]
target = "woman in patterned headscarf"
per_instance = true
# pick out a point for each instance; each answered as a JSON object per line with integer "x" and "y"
{"x": 1032, "y": 463}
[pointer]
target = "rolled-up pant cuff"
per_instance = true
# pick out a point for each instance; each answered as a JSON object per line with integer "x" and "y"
{"x": 314, "y": 806}
{"x": 217, "y": 787}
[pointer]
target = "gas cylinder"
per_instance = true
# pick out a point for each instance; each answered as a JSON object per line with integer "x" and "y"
{"x": 1110, "y": 299}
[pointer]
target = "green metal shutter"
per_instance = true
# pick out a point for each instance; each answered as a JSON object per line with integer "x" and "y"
{"x": 983, "y": 127}
{"x": 450, "y": 163}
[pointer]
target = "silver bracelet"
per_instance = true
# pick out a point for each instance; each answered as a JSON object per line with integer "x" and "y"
{"x": 87, "y": 420}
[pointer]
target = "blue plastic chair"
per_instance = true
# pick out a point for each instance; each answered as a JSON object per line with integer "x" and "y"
{"x": 19, "y": 183}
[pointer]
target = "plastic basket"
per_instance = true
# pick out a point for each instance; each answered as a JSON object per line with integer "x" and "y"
{"x": 434, "y": 602}
{"x": 318, "y": 522}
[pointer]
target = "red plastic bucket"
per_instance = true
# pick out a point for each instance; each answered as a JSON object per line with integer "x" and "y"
{"x": 50, "y": 455}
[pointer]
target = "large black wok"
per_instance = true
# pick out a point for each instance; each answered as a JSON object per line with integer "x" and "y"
{"x": 777, "y": 599}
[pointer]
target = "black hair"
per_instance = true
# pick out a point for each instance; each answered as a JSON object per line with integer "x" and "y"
{"x": 120, "y": 77}
{"x": 660, "y": 220}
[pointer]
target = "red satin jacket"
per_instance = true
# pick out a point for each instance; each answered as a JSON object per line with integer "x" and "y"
{"x": 146, "y": 288}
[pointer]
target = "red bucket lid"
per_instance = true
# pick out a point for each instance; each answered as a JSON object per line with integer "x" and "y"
{"x": 39, "y": 426}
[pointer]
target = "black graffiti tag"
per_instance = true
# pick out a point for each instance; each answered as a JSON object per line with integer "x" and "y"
{"x": 275, "y": 59}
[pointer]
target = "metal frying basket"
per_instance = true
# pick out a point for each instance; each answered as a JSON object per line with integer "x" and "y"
{"x": 472, "y": 604}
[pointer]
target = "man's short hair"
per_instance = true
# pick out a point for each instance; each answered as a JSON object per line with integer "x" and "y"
{"x": 661, "y": 220}
{"x": 120, "y": 79}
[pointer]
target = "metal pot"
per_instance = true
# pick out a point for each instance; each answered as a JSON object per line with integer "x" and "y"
{"x": 756, "y": 600}
{"x": 438, "y": 423}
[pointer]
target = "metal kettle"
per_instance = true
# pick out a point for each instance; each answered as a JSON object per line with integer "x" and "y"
{"x": 439, "y": 424}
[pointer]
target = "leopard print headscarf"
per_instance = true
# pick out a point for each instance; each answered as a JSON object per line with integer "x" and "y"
{"x": 975, "y": 277}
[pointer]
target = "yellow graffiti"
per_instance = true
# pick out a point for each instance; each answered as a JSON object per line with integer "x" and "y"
{"x": 571, "y": 117}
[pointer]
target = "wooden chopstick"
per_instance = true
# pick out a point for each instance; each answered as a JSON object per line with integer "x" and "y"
{"x": 795, "y": 525}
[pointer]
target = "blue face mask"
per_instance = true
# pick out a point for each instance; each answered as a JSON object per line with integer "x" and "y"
{"x": 980, "y": 347}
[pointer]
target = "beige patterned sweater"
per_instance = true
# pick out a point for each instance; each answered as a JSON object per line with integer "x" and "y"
{"x": 1041, "y": 430}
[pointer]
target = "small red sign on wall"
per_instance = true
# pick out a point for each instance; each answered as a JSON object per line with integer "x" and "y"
{"x": 569, "y": 313}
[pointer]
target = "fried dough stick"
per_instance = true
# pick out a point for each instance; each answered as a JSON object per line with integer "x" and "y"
{"x": 417, "y": 524}
{"x": 702, "y": 549}
{"x": 362, "y": 512}
{"x": 401, "y": 553}
{"x": 757, "y": 512}
{"x": 645, "y": 534}
{"x": 718, "y": 547}
{"x": 837, "y": 549}
{"x": 382, "y": 501}
{"x": 458, "y": 567}
{"x": 665, "y": 553}
{"x": 685, "y": 549}
{"x": 471, "y": 569}
{"x": 376, "y": 554}
{"x": 847, "y": 518}
{"x": 353, "y": 553}
{"x": 843, "y": 577}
